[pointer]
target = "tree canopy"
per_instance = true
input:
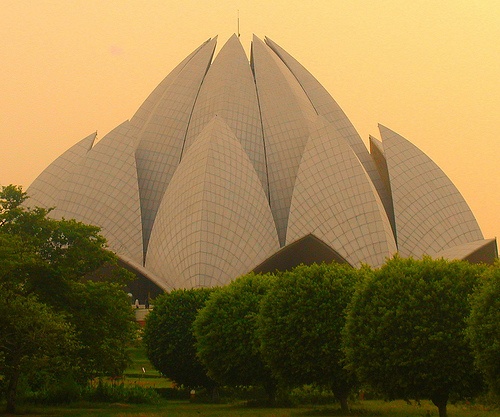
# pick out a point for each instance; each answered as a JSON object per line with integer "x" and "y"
{"x": 225, "y": 331}
{"x": 405, "y": 330}
{"x": 169, "y": 338}
{"x": 33, "y": 336}
{"x": 300, "y": 327}
{"x": 484, "y": 327}
{"x": 51, "y": 265}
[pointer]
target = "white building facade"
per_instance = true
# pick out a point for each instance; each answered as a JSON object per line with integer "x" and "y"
{"x": 232, "y": 166}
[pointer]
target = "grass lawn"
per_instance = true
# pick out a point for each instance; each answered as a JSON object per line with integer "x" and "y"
{"x": 187, "y": 409}
{"x": 149, "y": 377}
{"x": 141, "y": 372}
{"x": 140, "y": 362}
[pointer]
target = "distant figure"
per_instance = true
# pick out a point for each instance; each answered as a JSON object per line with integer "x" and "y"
{"x": 146, "y": 303}
{"x": 136, "y": 303}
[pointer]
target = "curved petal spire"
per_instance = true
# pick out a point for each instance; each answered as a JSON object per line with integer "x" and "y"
{"x": 161, "y": 140}
{"x": 103, "y": 191}
{"x": 149, "y": 108}
{"x": 287, "y": 115}
{"x": 214, "y": 222}
{"x": 228, "y": 91}
{"x": 322, "y": 101}
{"x": 430, "y": 213}
{"x": 326, "y": 106}
{"x": 335, "y": 200}
{"x": 44, "y": 191}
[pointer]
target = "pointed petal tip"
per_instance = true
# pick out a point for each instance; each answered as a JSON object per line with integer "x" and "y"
{"x": 233, "y": 39}
{"x": 375, "y": 142}
{"x": 384, "y": 131}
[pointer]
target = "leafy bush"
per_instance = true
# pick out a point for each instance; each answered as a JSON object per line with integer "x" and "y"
{"x": 226, "y": 339}
{"x": 65, "y": 391}
{"x": 169, "y": 340}
{"x": 111, "y": 393}
{"x": 69, "y": 391}
{"x": 311, "y": 394}
{"x": 405, "y": 330}
{"x": 484, "y": 327}
{"x": 173, "y": 393}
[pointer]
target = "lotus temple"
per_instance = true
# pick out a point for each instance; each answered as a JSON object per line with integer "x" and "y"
{"x": 232, "y": 166}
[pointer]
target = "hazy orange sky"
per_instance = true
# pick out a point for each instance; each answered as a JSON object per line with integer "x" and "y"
{"x": 429, "y": 70}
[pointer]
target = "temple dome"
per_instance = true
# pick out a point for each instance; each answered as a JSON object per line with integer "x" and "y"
{"x": 231, "y": 166}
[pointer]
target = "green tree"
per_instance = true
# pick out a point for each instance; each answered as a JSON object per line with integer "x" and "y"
{"x": 225, "y": 331}
{"x": 169, "y": 338}
{"x": 300, "y": 327}
{"x": 105, "y": 324}
{"x": 68, "y": 249}
{"x": 32, "y": 336}
{"x": 59, "y": 251}
{"x": 405, "y": 330}
{"x": 484, "y": 327}
{"x": 59, "y": 261}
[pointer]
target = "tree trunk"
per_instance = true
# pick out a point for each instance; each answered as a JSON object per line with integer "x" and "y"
{"x": 271, "y": 389}
{"x": 440, "y": 401}
{"x": 12, "y": 391}
{"x": 215, "y": 394}
{"x": 442, "y": 410}
{"x": 344, "y": 405}
{"x": 342, "y": 396}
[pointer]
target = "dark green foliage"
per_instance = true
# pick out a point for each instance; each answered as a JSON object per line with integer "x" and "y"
{"x": 300, "y": 326}
{"x": 112, "y": 393}
{"x": 225, "y": 331}
{"x": 48, "y": 265}
{"x": 63, "y": 390}
{"x": 405, "y": 330}
{"x": 52, "y": 251}
{"x": 311, "y": 394}
{"x": 169, "y": 339}
{"x": 484, "y": 327}
{"x": 33, "y": 337}
{"x": 66, "y": 392}
{"x": 101, "y": 313}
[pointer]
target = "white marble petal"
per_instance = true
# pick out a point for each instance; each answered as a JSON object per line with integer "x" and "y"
{"x": 44, "y": 191}
{"x": 326, "y": 106}
{"x": 430, "y": 213}
{"x": 287, "y": 115}
{"x": 104, "y": 191}
{"x": 229, "y": 91}
{"x": 335, "y": 200}
{"x": 161, "y": 139}
{"x": 214, "y": 223}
